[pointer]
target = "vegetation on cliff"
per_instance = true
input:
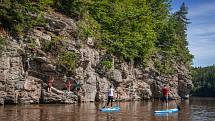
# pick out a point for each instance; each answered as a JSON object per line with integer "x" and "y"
{"x": 204, "y": 81}
{"x": 2, "y": 43}
{"x": 133, "y": 30}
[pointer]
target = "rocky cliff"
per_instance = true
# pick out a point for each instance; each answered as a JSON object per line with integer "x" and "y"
{"x": 26, "y": 66}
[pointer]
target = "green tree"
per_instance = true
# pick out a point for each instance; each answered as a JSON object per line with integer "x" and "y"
{"x": 181, "y": 22}
{"x": 172, "y": 42}
{"x": 126, "y": 27}
{"x": 17, "y": 16}
{"x": 132, "y": 30}
{"x": 204, "y": 81}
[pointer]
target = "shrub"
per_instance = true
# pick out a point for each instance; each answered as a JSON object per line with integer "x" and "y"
{"x": 107, "y": 64}
{"x": 20, "y": 15}
{"x": 68, "y": 59}
{"x": 2, "y": 44}
{"x": 54, "y": 46}
{"x": 164, "y": 67}
{"x": 72, "y": 8}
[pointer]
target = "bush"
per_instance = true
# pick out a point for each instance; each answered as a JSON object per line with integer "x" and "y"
{"x": 68, "y": 59}
{"x": 107, "y": 64}
{"x": 54, "y": 46}
{"x": 2, "y": 45}
{"x": 164, "y": 67}
{"x": 72, "y": 8}
{"x": 18, "y": 16}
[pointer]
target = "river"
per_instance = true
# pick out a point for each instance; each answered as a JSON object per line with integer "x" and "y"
{"x": 194, "y": 109}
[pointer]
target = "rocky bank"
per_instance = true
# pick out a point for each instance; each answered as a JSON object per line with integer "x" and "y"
{"x": 25, "y": 68}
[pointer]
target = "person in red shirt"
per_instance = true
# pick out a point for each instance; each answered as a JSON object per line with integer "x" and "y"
{"x": 68, "y": 85}
{"x": 165, "y": 92}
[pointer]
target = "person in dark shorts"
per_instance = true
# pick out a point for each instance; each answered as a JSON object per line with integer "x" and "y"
{"x": 110, "y": 96}
{"x": 165, "y": 93}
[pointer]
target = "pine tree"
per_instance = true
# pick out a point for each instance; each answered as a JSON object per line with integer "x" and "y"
{"x": 181, "y": 22}
{"x": 204, "y": 81}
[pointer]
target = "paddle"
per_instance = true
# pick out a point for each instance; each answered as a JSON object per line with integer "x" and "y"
{"x": 117, "y": 98}
{"x": 174, "y": 98}
{"x": 178, "y": 107}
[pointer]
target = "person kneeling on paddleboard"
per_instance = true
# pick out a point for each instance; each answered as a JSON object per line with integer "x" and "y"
{"x": 110, "y": 96}
{"x": 165, "y": 92}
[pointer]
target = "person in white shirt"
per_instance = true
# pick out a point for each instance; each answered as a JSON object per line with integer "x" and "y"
{"x": 110, "y": 96}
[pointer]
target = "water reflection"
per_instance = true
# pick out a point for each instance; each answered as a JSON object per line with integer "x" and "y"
{"x": 197, "y": 109}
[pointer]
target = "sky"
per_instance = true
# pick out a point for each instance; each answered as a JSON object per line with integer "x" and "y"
{"x": 201, "y": 31}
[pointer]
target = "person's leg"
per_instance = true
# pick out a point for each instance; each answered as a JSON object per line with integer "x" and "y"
{"x": 111, "y": 101}
{"x": 108, "y": 101}
{"x": 166, "y": 102}
{"x": 68, "y": 89}
{"x": 49, "y": 89}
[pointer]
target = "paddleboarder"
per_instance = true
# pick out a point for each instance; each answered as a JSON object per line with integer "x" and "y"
{"x": 165, "y": 92}
{"x": 110, "y": 96}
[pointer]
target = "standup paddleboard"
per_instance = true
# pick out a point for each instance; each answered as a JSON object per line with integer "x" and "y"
{"x": 112, "y": 109}
{"x": 167, "y": 111}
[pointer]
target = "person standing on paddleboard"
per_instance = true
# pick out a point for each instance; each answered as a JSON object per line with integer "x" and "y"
{"x": 110, "y": 96}
{"x": 165, "y": 92}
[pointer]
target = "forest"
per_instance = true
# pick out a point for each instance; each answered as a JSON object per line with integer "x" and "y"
{"x": 133, "y": 30}
{"x": 204, "y": 81}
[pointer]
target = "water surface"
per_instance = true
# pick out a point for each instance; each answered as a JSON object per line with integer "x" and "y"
{"x": 195, "y": 109}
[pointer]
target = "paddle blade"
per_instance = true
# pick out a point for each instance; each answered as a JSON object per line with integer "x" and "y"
{"x": 178, "y": 108}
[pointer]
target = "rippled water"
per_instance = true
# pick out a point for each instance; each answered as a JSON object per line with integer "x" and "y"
{"x": 195, "y": 109}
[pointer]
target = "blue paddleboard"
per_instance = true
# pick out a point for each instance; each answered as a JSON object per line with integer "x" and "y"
{"x": 112, "y": 109}
{"x": 167, "y": 111}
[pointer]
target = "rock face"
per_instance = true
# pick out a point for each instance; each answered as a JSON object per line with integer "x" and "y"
{"x": 25, "y": 69}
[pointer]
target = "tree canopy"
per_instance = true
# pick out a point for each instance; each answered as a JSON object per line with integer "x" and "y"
{"x": 133, "y": 30}
{"x": 204, "y": 81}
